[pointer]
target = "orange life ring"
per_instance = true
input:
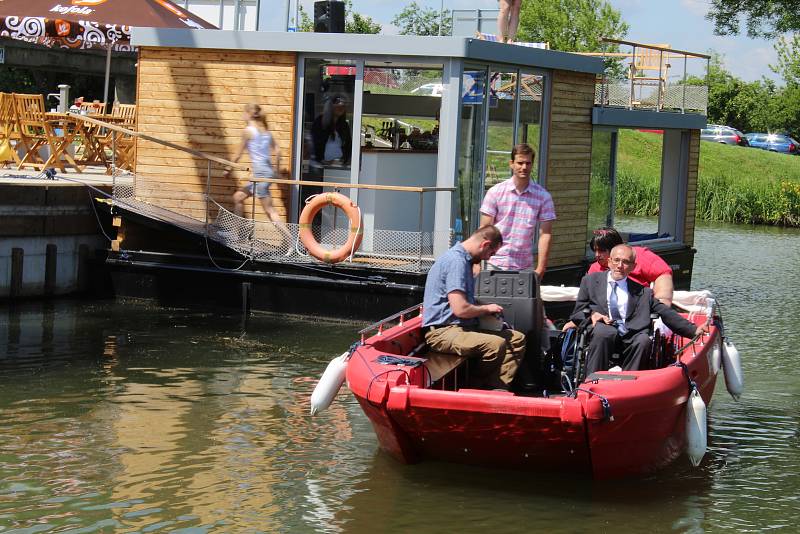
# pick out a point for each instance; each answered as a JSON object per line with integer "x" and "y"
{"x": 353, "y": 237}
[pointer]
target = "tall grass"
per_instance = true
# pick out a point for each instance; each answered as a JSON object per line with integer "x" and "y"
{"x": 737, "y": 185}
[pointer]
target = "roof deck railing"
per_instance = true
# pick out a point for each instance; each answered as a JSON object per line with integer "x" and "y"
{"x": 642, "y": 76}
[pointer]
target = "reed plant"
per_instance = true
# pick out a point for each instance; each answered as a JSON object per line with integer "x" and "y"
{"x": 736, "y": 184}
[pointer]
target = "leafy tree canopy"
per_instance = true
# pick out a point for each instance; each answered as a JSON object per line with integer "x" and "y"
{"x": 417, "y": 20}
{"x": 354, "y": 22}
{"x": 570, "y": 25}
{"x": 763, "y": 18}
{"x": 788, "y": 59}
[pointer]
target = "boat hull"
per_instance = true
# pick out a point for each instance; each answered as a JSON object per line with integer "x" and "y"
{"x": 642, "y": 429}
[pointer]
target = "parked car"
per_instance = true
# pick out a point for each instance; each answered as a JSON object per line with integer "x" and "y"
{"x": 774, "y": 143}
{"x": 429, "y": 89}
{"x": 723, "y": 134}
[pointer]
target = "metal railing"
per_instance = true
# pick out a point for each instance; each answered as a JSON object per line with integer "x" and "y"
{"x": 640, "y": 79}
{"x": 397, "y": 250}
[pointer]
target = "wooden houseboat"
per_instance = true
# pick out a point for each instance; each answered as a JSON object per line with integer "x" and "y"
{"x": 431, "y": 121}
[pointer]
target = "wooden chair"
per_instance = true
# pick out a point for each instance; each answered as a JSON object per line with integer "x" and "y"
{"x": 93, "y": 108}
{"x": 38, "y": 131}
{"x": 124, "y": 146}
{"x": 649, "y": 68}
{"x": 9, "y": 129}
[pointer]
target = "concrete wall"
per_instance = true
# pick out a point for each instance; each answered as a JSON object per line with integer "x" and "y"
{"x": 34, "y": 217}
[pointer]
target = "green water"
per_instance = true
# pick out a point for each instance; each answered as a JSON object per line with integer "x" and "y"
{"x": 119, "y": 416}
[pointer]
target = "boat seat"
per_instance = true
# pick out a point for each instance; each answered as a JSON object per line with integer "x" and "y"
{"x": 439, "y": 364}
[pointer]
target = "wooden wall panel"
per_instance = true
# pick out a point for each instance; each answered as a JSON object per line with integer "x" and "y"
{"x": 569, "y": 163}
{"x": 691, "y": 187}
{"x": 196, "y": 98}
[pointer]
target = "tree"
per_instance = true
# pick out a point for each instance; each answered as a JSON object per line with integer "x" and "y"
{"x": 570, "y": 25}
{"x": 416, "y": 20}
{"x": 353, "y": 22}
{"x": 788, "y": 60}
{"x": 763, "y": 18}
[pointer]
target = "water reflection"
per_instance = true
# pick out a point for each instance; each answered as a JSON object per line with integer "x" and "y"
{"x": 124, "y": 417}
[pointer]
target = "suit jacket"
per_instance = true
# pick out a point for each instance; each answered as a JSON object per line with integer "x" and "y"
{"x": 641, "y": 303}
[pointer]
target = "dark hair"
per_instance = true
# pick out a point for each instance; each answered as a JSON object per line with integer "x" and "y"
{"x": 605, "y": 238}
{"x": 524, "y": 149}
{"x": 491, "y": 234}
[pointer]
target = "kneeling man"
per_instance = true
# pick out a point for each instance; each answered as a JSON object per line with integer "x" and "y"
{"x": 450, "y": 313}
{"x": 620, "y": 312}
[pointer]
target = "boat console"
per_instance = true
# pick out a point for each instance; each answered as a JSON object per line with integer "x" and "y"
{"x": 516, "y": 291}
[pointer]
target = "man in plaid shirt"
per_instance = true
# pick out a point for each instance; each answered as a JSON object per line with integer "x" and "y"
{"x": 515, "y": 206}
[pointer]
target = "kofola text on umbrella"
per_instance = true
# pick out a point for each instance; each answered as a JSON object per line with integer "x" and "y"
{"x": 71, "y": 10}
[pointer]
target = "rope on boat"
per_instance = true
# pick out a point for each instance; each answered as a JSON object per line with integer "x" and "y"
{"x": 692, "y": 383}
{"x": 354, "y": 350}
{"x": 603, "y": 402}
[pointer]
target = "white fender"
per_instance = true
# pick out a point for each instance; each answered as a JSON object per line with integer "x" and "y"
{"x": 716, "y": 357}
{"x": 696, "y": 430}
{"x": 329, "y": 383}
{"x": 732, "y": 365}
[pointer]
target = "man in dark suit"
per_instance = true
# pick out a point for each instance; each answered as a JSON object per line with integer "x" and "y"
{"x": 620, "y": 312}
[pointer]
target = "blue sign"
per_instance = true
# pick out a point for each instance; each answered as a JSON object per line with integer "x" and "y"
{"x": 472, "y": 87}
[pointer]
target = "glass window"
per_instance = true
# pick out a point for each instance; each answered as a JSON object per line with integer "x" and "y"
{"x": 469, "y": 191}
{"x": 529, "y": 122}
{"x": 500, "y": 130}
{"x": 399, "y": 147}
{"x": 601, "y": 182}
{"x": 640, "y": 179}
{"x": 401, "y": 108}
{"x": 327, "y": 137}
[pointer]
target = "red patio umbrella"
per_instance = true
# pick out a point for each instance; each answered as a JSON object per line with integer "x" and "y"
{"x": 90, "y": 23}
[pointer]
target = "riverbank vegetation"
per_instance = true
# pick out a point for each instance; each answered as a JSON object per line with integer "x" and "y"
{"x": 736, "y": 184}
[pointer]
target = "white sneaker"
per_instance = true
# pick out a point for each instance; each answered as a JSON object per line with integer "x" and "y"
{"x": 615, "y": 369}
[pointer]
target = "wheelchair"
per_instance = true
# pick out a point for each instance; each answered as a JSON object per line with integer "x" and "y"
{"x": 571, "y": 352}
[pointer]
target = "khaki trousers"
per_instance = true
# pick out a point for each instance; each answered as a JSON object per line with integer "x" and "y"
{"x": 500, "y": 352}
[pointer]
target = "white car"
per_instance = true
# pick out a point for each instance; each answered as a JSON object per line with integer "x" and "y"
{"x": 428, "y": 89}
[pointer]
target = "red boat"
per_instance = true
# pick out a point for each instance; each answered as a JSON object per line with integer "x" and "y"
{"x": 616, "y": 424}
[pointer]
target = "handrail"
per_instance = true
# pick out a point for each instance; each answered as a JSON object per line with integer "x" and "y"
{"x": 654, "y": 47}
{"x": 228, "y": 163}
{"x": 197, "y": 153}
{"x": 406, "y": 188}
{"x": 380, "y": 324}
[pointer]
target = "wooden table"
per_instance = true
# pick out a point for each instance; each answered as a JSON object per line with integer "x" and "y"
{"x": 93, "y": 139}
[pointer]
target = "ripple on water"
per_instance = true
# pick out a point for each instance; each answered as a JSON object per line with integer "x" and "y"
{"x": 118, "y": 416}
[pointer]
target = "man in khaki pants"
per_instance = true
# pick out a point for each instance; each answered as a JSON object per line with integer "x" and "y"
{"x": 450, "y": 313}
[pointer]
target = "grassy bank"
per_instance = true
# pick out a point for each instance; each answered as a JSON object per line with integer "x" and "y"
{"x": 740, "y": 185}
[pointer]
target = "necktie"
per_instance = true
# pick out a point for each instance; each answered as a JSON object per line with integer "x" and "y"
{"x": 613, "y": 308}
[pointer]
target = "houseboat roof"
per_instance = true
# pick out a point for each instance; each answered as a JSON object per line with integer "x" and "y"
{"x": 368, "y": 45}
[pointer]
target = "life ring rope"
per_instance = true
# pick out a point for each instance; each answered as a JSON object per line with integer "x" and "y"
{"x": 314, "y": 205}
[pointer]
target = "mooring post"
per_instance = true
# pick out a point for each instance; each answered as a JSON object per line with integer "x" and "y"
{"x": 17, "y": 259}
{"x": 50, "y": 265}
{"x": 83, "y": 267}
{"x": 246, "y": 290}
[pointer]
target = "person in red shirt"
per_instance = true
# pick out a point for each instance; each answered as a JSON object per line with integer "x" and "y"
{"x": 650, "y": 269}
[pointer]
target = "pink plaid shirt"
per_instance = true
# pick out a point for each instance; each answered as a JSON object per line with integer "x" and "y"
{"x": 516, "y": 215}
